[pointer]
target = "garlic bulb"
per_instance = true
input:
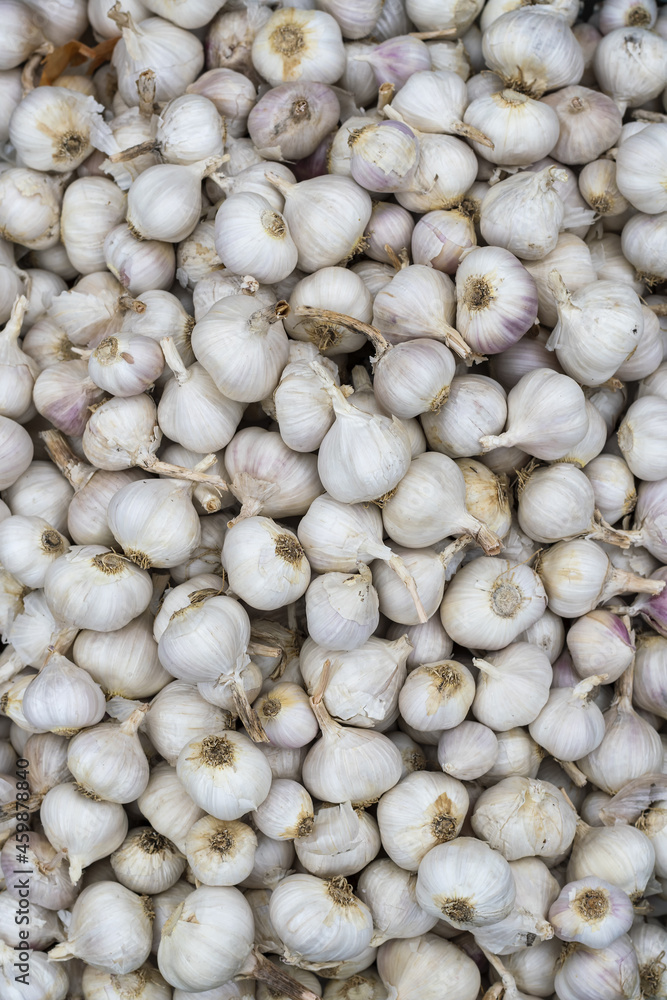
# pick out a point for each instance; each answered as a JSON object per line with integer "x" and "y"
{"x": 76, "y": 580}
{"x": 432, "y": 188}
{"x": 320, "y": 920}
{"x": 571, "y": 257}
{"x": 232, "y": 93}
{"x": 598, "y": 328}
{"x": 167, "y": 806}
{"x": 363, "y": 685}
{"x": 434, "y": 101}
{"x": 620, "y": 854}
{"x": 648, "y": 941}
{"x": 591, "y": 911}
{"x": 384, "y": 156}
{"x": 647, "y": 693}
{"x": 330, "y": 288}
{"x": 286, "y": 716}
{"x": 645, "y": 148}
{"x": 590, "y": 123}
{"x": 467, "y": 751}
{"x": 219, "y": 852}
{"x": 415, "y": 967}
{"x": 630, "y": 65}
{"x": 349, "y": 764}
{"x": 50, "y": 884}
{"x": 53, "y": 128}
{"x": 612, "y": 970}
{"x": 62, "y": 698}
{"x": 30, "y": 209}
{"x": 509, "y": 48}
{"x": 18, "y": 370}
{"x": 641, "y": 240}
{"x": 342, "y": 841}
{"x": 579, "y": 576}
{"x": 613, "y": 485}
{"x": 303, "y": 412}
{"x": 101, "y": 829}
{"x": 299, "y": 44}
{"x": 92, "y": 207}
{"x": 243, "y": 348}
{"x": 110, "y": 928}
{"x": 267, "y": 476}
{"x": 422, "y": 810}
{"x": 16, "y": 451}
{"x": 326, "y": 216}
{"x": 490, "y": 601}
{"x": 413, "y": 516}
{"x": 558, "y": 502}
{"x": 440, "y": 238}
{"x": 147, "y": 862}
{"x": 364, "y": 455}
{"x": 629, "y": 748}
{"x": 170, "y": 730}
{"x": 467, "y": 882}
{"x": 389, "y": 225}
{"x": 520, "y": 817}
{"x": 90, "y": 754}
{"x": 287, "y": 811}
{"x": 535, "y": 209}
{"x": 155, "y": 522}
{"x": 175, "y": 56}
{"x": 521, "y": 129}
{"x": 546, "y": 414}
{"x": 390, "y": 894}
{"x": 28, "y": 547}
{"x": 164, "y": 202}
{"x": 254, "y": 239}
{"x": 475, "y": 407}
{"x": 140, "y": 265}
{"x": 260, "y": 541}
{"x": 46, "y": 980}
{"x": 570, "y": 724}
{"x": 513, "y": 686}
{"x": 599, "y": 642}
{"x": 342, "y": 611}
{"x": 436, "y": 696}
{"x": 225, "y": 775}
{"x": 497, "y": 299}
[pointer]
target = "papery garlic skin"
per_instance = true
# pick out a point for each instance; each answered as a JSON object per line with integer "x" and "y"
{"x": 522, "y": 130}
{"x": 105, "y": 827}
{"x": 613, "y": 970}
{"x": 630, "y": 65}
{"x": 175, "y": 56}
{"x": 299, "y": 45}
{"x": 286, "y": 573}
{"x": 467, "y": 882}
{"x": 599, "y": 642}
{"x": 253, "y": 239}
{"x": 541, "y": 822}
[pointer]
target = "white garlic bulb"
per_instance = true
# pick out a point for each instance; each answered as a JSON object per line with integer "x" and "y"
{"x": 467, "y": 882}
{"x": 620, "y": 854}
{"x": 342, "y": 611}
{"x": 91, "y": 752}
{"x": 102, "y": 827}
{"x": 54, "y": 128}
{"x": 599, "y": 642}
{"x": 167, "y": 806}
{"x": 415, "y": 967}
{"x": 570, "y": 724}
{"x": 342, "y": 841}
{"x": 490, "y": 601}
{"x": 436, "y": 696}
{"x": 62, "y": 698}
{"x": 509, "y": 49}
{"x": 147, "y": 862}
{"x": 28, "y": 547}
{"x": 422, "y": 810}
{"x": 613, "y": 969}
{"x": 285, "y": 569}
{"x": 244, "y": 348}
{"x": 175, "y": 56}
{"x": 513, "y": 686}
{"x": 225, "y": 774}
{"x": 220, "y": 852}
{"x": 349, "y": 764}
{"x": 254, "y": 239}
{"x": 286, "y": 716}
{"x": 522, "y": 818}
{"x": 546, "y": 415}
{"x": 75, "y": 582}
{"x": 630, "y": 65}
{"x": 155, "y": 522}
{"x": 320, "y": 920}
{"x": 591, "y": 911}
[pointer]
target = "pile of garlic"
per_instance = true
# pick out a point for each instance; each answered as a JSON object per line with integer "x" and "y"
{"x": 333, "y": 459}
